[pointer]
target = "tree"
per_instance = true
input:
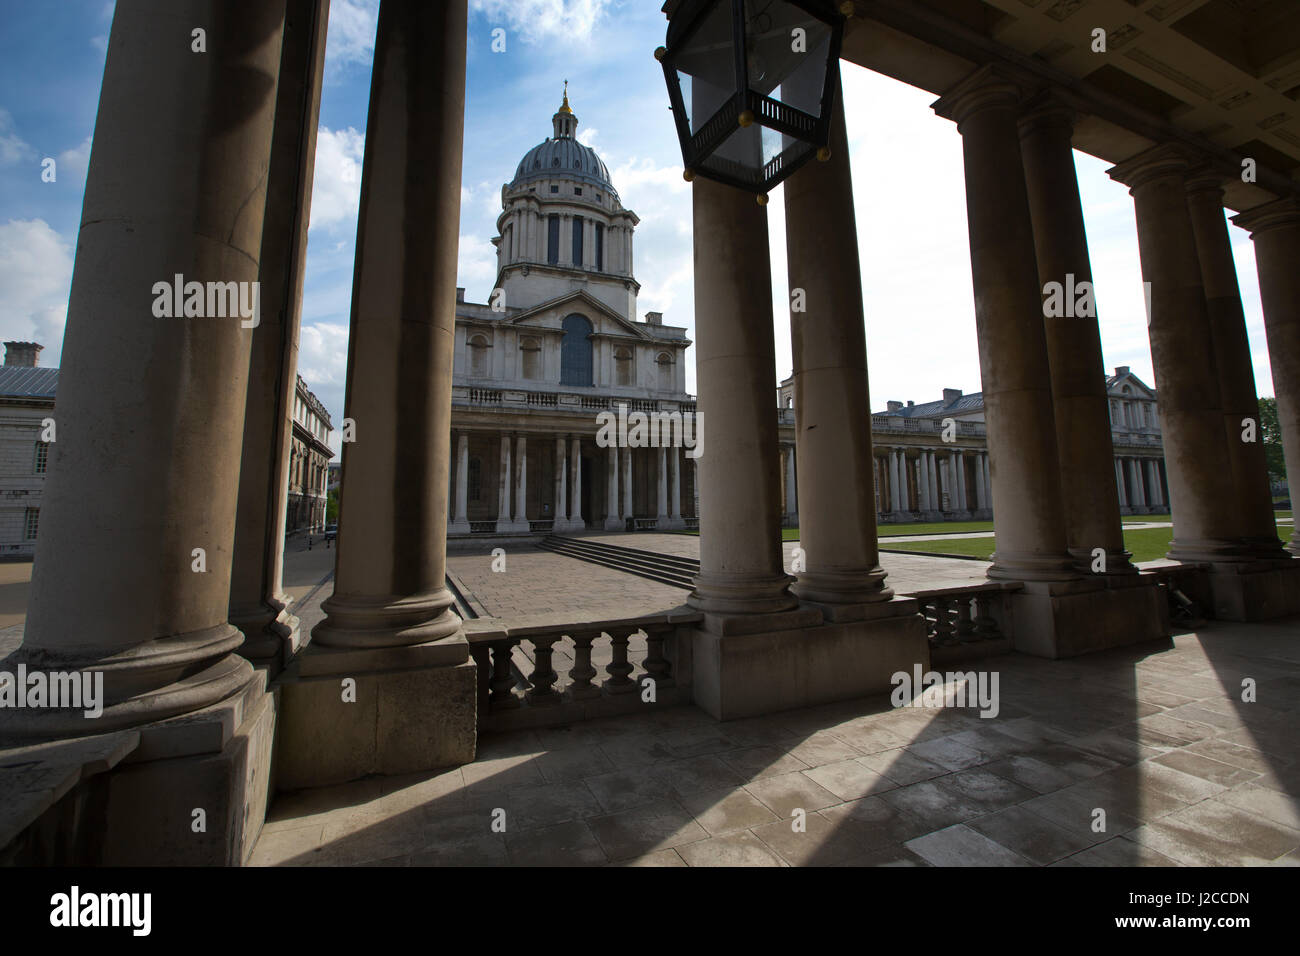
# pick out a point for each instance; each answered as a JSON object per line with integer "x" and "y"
{"x": 332, "y": 507}
{"x": 1271, "y": 435}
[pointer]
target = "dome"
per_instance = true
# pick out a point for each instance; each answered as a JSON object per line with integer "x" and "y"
{"x": 563, "y": 157}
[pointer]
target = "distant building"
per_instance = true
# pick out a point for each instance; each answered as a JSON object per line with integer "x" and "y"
{"x": 26, "y": 399}
{"x": 921, "y": 477}
{"x": 309, "y": 462}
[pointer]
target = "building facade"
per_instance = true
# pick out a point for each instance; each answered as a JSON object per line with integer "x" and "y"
{"x": 26, "y": 404}
{"x": 309, "y": 460}
{"x": 926, "y": 469}
{"x": 558, "y": 351}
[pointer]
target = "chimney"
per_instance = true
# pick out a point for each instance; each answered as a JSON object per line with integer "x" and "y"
{"x": 910, "y": 403}
{"x": 22, "y": 353}
{"x": 1120, "y": 370}
{"x": 654, "y": 318}
{"x": 951, "y": 395}
{"x": 460, "y": 293}
{"x": 893, "y": 406}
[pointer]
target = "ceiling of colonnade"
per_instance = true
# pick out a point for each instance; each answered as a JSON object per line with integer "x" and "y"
{"x": 1220, "y": 74}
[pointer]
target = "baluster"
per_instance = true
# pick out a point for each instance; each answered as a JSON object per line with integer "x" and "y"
{"x": 619, "y": 668}
{"x": 503, "y": 681}
{"x": 965, "y": 629}
{"x": 986, "y": 628}
{"x": 656, "y": 664}
{"x": 543, "y": 677}
{"x": 943, "y": 629}
{"x": 582, "y": 672}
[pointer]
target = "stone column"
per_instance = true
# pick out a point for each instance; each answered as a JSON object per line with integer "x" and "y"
{"x": 675, "y": 496}
{"x": 460, "y": 523}
{"x": 561, "y": 485}
{"x": 791, "y": 486}
{"x": 1079, "y": 397}
{"x": 503, "y": 484}
{"x": 258, "y": 602}
{"x": 612, "y": 522}
{"x": 521, "y": 482}
{"x": 1182, "y": 351}
{"x": 1252, "y": 501}
{"x": 132, "y": 494}
{"x": 741, "y": 567}
{"x": 566, "y": 241}
{"x": 1275, "y": 229}
{"x": 1121, "y": 490}
{"x": 576, "y": 462}
{"x": 662, "y": 487}
{"x": 979, "y": 482}
{"x": 629, "y": 503}
{"x": 959, "y": 471}
{"x": 895, "y": 501}
{"x": 1139, "y": 493}
{"x": 1021, "y": 427}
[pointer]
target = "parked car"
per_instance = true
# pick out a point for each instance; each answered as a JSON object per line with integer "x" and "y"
{"x": 331, "y": 532}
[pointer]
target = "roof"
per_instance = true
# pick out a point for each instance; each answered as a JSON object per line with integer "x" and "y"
{"x": 23, "y": 381}
{"x": 972, "y": 402}
{"x": 564, "y": 157}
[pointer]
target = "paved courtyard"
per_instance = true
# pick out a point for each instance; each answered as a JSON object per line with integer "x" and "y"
{"x": 1141, "y": 756}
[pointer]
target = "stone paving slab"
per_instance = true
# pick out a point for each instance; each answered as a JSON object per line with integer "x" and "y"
{"x": 860, "y": 783}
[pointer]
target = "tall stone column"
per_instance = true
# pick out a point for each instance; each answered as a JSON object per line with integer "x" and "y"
{"x": 1182, "y": 351}
{"x": 662, "y": 487}
{"x": 521, "y": 480}
{"x": 1079, "y": 399}
{"x": 1275, "y": 229}
{"x": 675, "y": 495}
{"x": 1252, "y": 501}
{"x": 576, "y": 463}
{"x": 258, "y": 602}
{"x": 791, "y": 486}
{"x": 1139, "y": 492}
{"x": 1031, "y": 543}
{"x": 561, "y": 485}
{"x": 837, "y": 516}
{"x": 741, "y": 566}
{"x": 629, "y": 502}
{"x": 895, "y": 502}
{"x": 612, "y": 522}
{"x": 1119, "y": 483}
{"x": 503, "y": 484}
{"x": 460, "y": 523}
{"x": 959, "y": 470}
{"x": 979, "y": 482}
{"x": 390, "y": 610}
{"x": 133, "y": 563}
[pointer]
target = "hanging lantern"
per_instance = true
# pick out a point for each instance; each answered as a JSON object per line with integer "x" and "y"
{"x": 752, "y": 84}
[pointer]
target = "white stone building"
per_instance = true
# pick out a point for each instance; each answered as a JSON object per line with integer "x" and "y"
{"x": 558, "y": 344}
{"x": 309, "y": 460}
{"x": 26, "y": 400}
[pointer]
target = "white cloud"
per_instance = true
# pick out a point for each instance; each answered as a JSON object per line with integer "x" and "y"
{"x": 322, "y": 362}
{"x": 36, "y": 273}
{"x": 13, "y": 148}
{"x": 74, "y": 162}
{"x": 350, "y": 39}
{"x": 336, "y": 184}
{"x": 540, "y": 20}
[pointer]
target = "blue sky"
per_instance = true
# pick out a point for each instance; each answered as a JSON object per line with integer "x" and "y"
{"x": 906, "y": 163}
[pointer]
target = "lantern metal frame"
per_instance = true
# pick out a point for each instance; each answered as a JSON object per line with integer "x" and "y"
{"x": 746, "y": 105}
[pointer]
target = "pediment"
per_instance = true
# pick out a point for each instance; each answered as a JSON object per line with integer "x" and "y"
{"x": 579, "y": 301}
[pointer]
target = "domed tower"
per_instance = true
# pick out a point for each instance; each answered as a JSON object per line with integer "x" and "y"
{"x": 562, "y": 226}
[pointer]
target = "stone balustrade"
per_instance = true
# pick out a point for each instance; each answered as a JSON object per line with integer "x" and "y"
{"x": 958, "y": 619}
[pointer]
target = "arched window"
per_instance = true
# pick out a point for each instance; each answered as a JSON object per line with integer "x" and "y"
{"x": 478, "y": 346}
{"x": 575, "y": 351}
{"x": 665, "y": 363}
{"x": 622, "y": 366}
{"x": 530, "y": 351}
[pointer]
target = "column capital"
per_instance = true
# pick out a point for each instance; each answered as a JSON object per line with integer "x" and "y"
{"x": 1162, "y": 160}
{"x": 992, "y": 85}
{"x": 1271, "y": 215}
{"x": 1210, "y": 176}
{"x": 1051, "y": 108}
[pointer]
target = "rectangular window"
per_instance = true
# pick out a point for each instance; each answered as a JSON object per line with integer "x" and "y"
{"x": 577, "y": 240}
{"x": 474, "y": 485}
{"x": 600, "y": 247}
{"x": 552, "y": 239}
{"x": 42, "y": 457}
{"x": 31, "y": 523}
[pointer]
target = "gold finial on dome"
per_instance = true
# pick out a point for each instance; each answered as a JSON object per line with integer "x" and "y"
{"x": 564, "y": 107}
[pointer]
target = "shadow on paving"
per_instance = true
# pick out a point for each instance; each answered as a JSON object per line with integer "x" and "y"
{"x": 1155, "y": 736}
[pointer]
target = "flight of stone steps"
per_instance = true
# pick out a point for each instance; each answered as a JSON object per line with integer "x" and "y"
{"x": 667, "y": 569}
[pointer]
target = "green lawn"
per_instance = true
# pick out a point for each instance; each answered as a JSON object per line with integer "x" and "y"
{"x": 1147, "y": 544}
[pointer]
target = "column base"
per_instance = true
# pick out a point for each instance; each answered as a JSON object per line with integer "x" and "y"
{"x": 1117, "y": 562}
{"x": 512, "y": 527}
{"x": 1029, "y": 566}
{"x": 1260, "y": 591}
{"x": 840, "y": 594}
{"x": 743, "y": 668}
{"x": 458, "y": 527}
{"x": 272, "y": 636}
{"x": 358, "y": 622}
{"x": 1069, "y": 618}
{"x": 742, "y": 593}
{"x": 614, "y": 524}
{"x": 406, "y": 709}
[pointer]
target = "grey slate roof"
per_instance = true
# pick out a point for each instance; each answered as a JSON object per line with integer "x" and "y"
{"x": 971, "y": 402}
{"x": 20, "y": 381}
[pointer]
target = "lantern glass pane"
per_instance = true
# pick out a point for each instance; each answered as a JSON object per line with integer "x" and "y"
{"x": 706, "y": 66}
{"x": 782, "y": 41}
